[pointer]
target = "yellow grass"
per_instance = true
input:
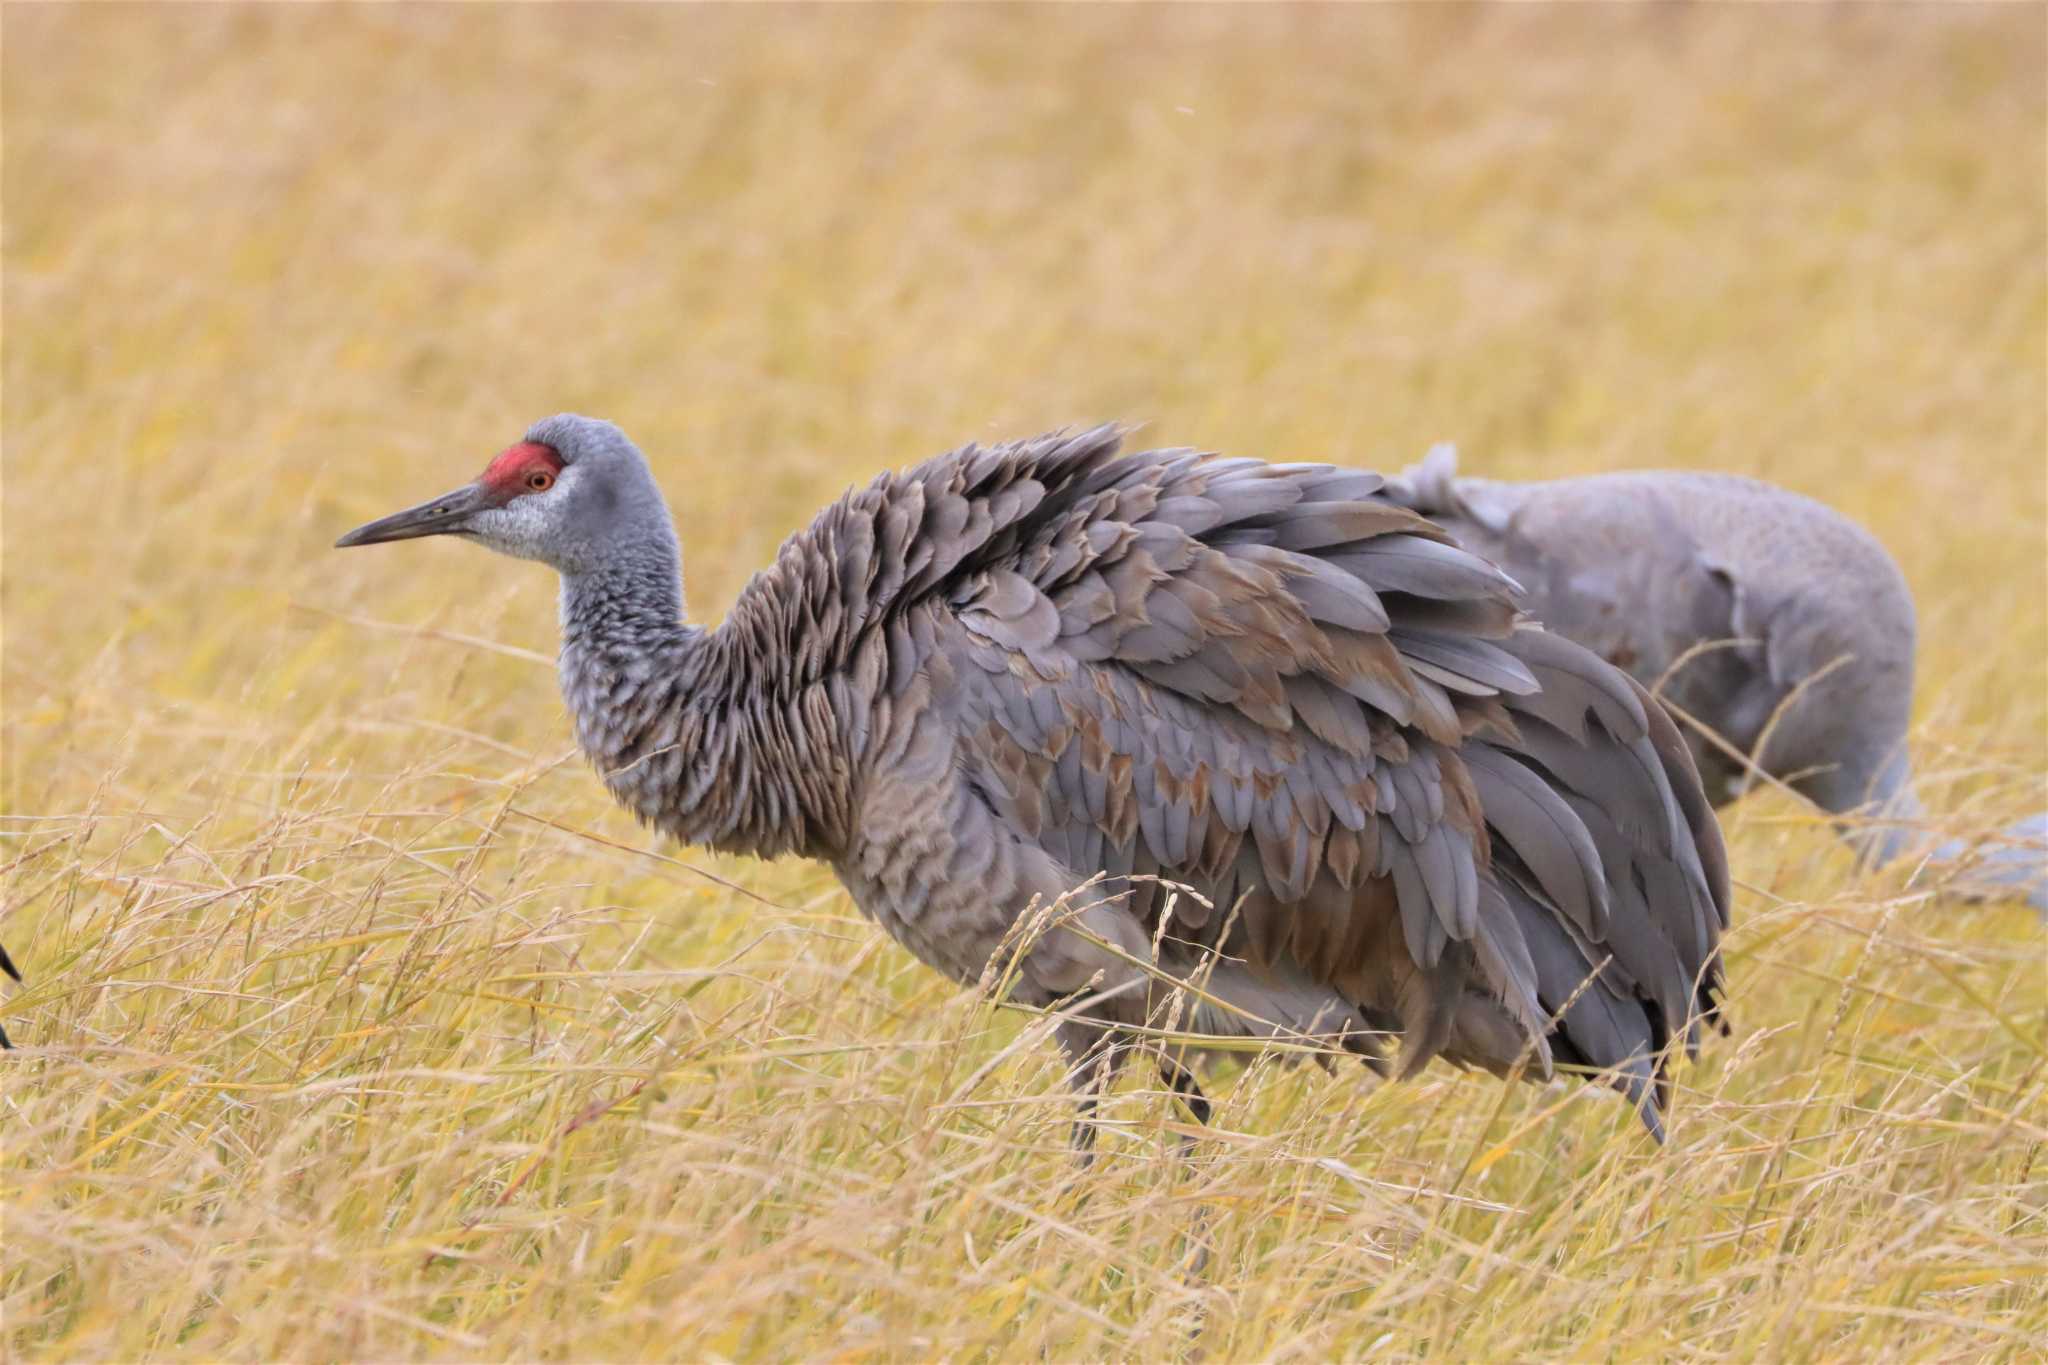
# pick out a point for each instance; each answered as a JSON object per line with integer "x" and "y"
{"x": 360, "y": 1026}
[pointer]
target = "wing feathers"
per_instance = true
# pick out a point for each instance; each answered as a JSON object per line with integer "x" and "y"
{"x": 1271, "y": 683}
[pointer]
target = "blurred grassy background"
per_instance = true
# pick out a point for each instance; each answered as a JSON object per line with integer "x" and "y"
{"x": 315, "y": 993}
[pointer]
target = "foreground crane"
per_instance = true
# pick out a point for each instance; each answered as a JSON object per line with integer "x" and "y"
{"x": 1771, "y": 620}
{"x": 977, "y": 684}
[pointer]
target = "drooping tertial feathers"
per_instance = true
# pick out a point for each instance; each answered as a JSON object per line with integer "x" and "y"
{"x": 976, "y": 684}
{"x": 1767, "y": 617}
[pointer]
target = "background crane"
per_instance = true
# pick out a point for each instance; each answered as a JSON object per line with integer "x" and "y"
{"x": 1767, "y": 617}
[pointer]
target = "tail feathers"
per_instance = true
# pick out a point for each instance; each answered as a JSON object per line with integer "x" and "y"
{"x": 1596, "y": 1025}
{"x": 1504, "y": 962}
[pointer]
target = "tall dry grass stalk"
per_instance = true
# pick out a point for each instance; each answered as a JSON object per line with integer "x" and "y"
{"x": 359, "y": 1026}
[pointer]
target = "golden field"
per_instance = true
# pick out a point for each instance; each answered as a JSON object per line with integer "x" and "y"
{"x": 360, "y": 1026}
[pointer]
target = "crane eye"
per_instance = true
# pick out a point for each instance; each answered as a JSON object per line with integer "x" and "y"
{"x": 540, "y": 481}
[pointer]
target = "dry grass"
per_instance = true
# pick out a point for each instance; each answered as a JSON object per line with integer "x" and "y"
{"x": 359, "y": 1026}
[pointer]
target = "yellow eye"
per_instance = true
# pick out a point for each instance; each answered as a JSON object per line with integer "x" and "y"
{"x": 540, "y": 481}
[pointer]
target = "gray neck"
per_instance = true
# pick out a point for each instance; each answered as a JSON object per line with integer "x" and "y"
{"x": 688, "y": 737}
{"x": 627, "y": 657}
{"x": 628, "y": 606}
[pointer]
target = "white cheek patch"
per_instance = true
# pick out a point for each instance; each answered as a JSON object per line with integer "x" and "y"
{"x": 519, "y": 528}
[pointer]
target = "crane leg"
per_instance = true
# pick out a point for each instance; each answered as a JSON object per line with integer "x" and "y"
{"x": 1184, "y": 1085}
{"x": 1096, "y": 1052}
{"x": 1176, "y": 1074}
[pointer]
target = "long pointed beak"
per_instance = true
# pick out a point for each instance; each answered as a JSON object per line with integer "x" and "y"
{"x": 448, "y": 513}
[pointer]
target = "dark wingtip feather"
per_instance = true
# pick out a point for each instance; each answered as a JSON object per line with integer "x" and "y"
{"x": 1652, "y": 1119}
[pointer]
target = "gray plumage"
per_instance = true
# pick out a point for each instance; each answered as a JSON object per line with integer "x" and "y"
{"x": 982, "y": 681}
{"x": 1766, "y": 616}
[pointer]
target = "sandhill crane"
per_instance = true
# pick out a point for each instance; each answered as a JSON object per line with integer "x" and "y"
{"x": 982, "y": 681}
{"x": 1769, "y": 618}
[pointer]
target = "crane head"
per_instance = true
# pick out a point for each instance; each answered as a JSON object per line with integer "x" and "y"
{"x": 570, "y": 494}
